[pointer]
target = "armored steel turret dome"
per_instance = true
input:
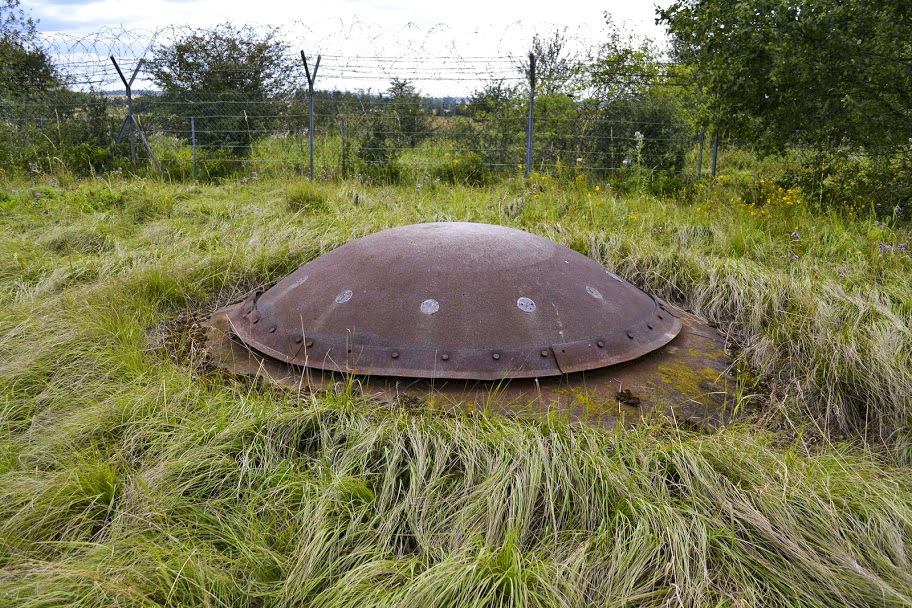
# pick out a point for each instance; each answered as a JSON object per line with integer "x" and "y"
{"x": 453, "y": 300}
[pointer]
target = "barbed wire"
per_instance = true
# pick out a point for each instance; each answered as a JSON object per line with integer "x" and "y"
{"x": 353, "y": 53}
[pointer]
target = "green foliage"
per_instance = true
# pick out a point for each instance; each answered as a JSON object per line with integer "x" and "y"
{"x": 25, "y": 70}
{"x": 24, "y": 67}
{"x": 635, "y": 106}
{"x": 463, "y": 167}
{"x": 399, "y": 123}
{"x": 63, "y": 130}
{"x": 825, "y": 84}
{"x": 611, "y": 110}
{"x": 556, "y": 70}
{"x": 497, "y": 129}
{"x": 41, "y": 123}
{"x": 840, "y": 179}
{"x": 800, "y": 71}
{"x": 227, "y": 78}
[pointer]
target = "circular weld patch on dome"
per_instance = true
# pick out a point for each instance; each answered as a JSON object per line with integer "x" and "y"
{"x": 453, "y": 300}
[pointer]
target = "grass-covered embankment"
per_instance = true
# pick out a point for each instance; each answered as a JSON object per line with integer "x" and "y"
{"x": 131, "y": 476}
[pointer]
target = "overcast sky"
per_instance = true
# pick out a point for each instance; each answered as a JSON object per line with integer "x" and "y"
{"x": 465, "y": 15}
{"x": 398, "y": 28}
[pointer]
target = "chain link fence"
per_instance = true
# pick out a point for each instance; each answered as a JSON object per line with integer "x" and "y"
{"x": 396, "y": 114}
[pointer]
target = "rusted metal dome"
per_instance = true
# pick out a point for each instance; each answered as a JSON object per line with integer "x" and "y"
{"x": 453, "y": 300}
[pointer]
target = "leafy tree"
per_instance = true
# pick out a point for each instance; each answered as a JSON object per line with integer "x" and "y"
{"x": 621, "y": 67}
{"x": 408, "y": 115}
{"x": 401, "y": 121}
{"x": 801, "y": 71}
{"x": 497, "y": 128}
{"x": 556, "y": 67}
{"x": 595, "y": 110}
{"x": 25, "y": 68}
{"x": 229, "y": 79}
{"x": 40, "y": 121}
{"x": 635, "y": 104}
{"x": 557, "y": 125}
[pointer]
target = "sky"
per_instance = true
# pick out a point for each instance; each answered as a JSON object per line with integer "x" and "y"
{"x": 405, "y": 29}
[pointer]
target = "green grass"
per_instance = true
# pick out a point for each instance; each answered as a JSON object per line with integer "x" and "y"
{"x": 133, "y": 475}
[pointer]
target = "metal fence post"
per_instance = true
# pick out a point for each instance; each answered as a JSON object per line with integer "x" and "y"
{"x": 611, "y": 147}
{"x": 193, "y": 142}
{"x": 310, "y": 95}
{"x": 131, "y": 120}
{"x": 529, "y": 129}
{"x": 344, "y": 150}
{"x": 715, "y": 149}
{"x": 700, "y": 161}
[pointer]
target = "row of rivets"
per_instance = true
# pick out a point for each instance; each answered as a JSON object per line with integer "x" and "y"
{"x": 431, "y": 306}
{"x": 446, "y": 356}
{"x": 495, "y": 356}
{"x": 601, "y": 343}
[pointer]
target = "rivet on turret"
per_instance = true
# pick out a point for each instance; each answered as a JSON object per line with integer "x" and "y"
{"x": 496, "y": 356}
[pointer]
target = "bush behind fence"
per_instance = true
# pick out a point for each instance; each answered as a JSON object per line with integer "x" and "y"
{"x": 355, "y": 133}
